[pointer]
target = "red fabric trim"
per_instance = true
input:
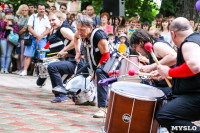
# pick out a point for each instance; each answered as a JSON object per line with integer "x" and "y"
{"x": 104, "y": 58}
{"x": 180, "y": 71}
{"x": 47, "y": 45}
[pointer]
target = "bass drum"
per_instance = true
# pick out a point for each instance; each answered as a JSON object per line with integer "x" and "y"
{"x": 132, "y": 107}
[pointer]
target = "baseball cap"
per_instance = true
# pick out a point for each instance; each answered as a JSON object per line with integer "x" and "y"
{"x": 8, "y": 10}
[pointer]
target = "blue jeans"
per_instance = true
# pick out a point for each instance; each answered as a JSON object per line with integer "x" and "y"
{"x": 6, "y": 51}
{"x": 30, "y": 51}
{"x": 58, "y": 69}
{"x": 102, "y": 91}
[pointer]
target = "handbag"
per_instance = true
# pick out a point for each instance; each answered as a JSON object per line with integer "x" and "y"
{"x": 13, "y": 38}
{"x": 28, "y": 38}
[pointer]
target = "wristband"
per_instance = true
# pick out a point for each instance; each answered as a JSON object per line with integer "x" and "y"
{"x": 180, "y": 71}
{"x": 104, "y": 58}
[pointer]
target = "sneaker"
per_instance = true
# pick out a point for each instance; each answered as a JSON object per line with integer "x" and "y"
{"x": 23, "y": 73}
{"x": 16, "y": 72}
{"x": 101, "y": 113}
{"x": 59, "y": 99}
{"x": 2, "y": 70}
{"x": 6, "y": 71}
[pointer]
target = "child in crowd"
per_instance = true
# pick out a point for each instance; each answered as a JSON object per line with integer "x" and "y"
{"x": 132, "y": 29}
{"x": 112, "y": 46}
{"x": 120, "y": 30}
{"x": 125, "y": 23}
{"x": 122, "y": 47}
{"x": 145, "y": 26}
{"x": 139, "y": 25}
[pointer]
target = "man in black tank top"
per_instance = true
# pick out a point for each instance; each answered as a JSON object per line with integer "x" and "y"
{"x": 163, "y": 51}
{"x": 178, "y": 114}
{"x": 95, "y": 42}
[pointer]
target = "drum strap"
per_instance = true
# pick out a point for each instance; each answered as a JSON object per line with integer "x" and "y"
{"x": 90, "y": 53}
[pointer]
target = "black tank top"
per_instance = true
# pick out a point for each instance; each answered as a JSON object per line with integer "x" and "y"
{"x": 59, "y": 35}
{"x": 161, "y": 83}
{"x": 187, "y": 84}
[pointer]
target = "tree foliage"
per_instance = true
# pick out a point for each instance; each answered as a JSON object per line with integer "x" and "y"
{"x": 147, "y": 9}
{"x": 168, "y": 7}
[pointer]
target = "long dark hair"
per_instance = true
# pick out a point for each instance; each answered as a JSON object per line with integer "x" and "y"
{"x": 141, "y": 35}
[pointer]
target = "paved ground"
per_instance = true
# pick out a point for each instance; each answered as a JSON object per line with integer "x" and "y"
{"x": 26, "y": 108}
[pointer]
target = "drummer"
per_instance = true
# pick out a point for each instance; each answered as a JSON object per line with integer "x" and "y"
{"x": 178, "y": 114}
{"x": 96, "y": 48}
{"x": 163, "y": 51}
{"x": 56, "y": 70}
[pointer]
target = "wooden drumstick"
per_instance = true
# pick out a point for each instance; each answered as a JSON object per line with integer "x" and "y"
{"x": 148, "y": 46}
{"x": 141, "y": 61}
{"x": 129, "y": 61}
{"x": 132, "y": 73}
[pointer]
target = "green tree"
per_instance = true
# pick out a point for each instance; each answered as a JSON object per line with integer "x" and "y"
{"x": 147, "y": 9}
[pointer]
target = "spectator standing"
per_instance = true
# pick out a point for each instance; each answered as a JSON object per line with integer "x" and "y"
{"x": 145, "y": 26}
{"x": 165, "y": 30}
{"x": 192, "y": 23}
{"x": 125, "y": 23}
{"x": 52, "y": 8}
{"x": 31, "y": 8}
{"x": 39, "y": 32}
{"x": 133, "y": 24}
{"x": 7, "y": 48}
{"x": 96, "y": 19}
{"x": 63, "y": 8}
{"x": 104, "y": 26}
{"x": 22, "y": 31}
{"x": 158, "y": 18}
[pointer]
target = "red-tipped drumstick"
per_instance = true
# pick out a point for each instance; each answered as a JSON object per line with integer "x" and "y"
{"x": 148, "y": 46}
{"x": 133, "y": 72}
{"x": 111, "y": 73}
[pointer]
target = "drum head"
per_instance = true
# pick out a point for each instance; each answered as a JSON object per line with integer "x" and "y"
{"x": 136, "y": 90}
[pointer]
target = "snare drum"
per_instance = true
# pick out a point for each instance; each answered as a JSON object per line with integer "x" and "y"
{"x": 126, "y": 66}
{"x": 42, "y": 67}
{"x": 132, "y": 107}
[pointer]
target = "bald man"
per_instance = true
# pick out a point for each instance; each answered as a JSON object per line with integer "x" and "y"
{"x": 178, "y": 114}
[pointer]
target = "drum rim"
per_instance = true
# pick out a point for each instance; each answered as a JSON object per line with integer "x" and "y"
{"x": 119, "y": 92}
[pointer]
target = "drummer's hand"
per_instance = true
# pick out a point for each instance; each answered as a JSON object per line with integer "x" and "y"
{"x": 156, "y": 75}
{"x": 143, "y": 59}
{"x": 146, "y": 68}
{"x": 78, "y": 57}
{"x": 163, "y": 70}
{"x": 62, "y": 54}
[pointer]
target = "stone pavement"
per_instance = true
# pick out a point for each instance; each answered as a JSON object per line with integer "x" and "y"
{"x": 26, "y": 108}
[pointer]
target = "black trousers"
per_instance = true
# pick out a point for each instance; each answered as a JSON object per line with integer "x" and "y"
{"x": 178, "y": 114}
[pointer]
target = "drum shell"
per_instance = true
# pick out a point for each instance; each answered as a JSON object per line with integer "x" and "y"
{"x": 126, "y": 65}
{"x": 141, "y": 112}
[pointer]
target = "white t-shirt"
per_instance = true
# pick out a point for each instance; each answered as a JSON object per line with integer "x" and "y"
{"x": 39, "y": 25}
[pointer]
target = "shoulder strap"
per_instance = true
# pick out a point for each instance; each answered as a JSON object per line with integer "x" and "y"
{"x": 92, "y": 36}
{"x": 92, "y": 46}
{"x": 33, "y": 21}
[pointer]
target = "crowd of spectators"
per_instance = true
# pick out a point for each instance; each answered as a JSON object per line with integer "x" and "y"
{"x": 33, "y": 19}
